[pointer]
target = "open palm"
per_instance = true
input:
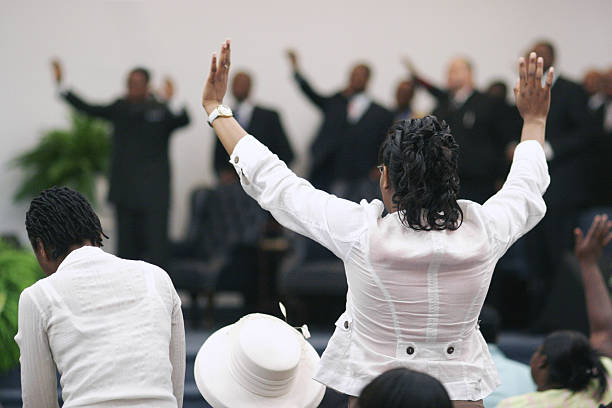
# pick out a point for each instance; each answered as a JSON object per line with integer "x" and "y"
{"x": 216, "y": 84}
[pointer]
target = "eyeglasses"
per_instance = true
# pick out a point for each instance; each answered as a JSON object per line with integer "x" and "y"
{"x": 380, "y": 168}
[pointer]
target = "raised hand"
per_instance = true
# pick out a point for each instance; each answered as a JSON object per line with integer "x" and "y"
{"x": 167, "y": 91}
{"x": 57, "y": 70}
{"x": 216, "y": 84}
{"x": 588, "y": 248}
{"x": 291, "y": 54}
{"x": 407, "y": 62}
{"x": 533, "y": 99}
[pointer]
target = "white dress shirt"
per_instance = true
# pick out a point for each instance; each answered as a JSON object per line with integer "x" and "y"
{"x": 113, "y": 328}
{"x": 413, "y": 296}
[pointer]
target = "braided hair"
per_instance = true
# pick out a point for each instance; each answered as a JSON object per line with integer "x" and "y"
{"x": 421, "y": 156}
{"x": 60, "y": 218}
{"x": 573, "y": 363}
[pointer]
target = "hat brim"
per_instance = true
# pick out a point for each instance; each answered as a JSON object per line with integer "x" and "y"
{"x": 216, "y": 385}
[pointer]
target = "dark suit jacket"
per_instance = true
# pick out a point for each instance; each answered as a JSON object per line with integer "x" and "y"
{"x": 600, "y": 171}
{"x": 344, "y": 151}
{"x": 481, "y": 129}
{"x": 140, "y": 169}
{"x": 266, "y": 126}
{"x": 570, "y": 131}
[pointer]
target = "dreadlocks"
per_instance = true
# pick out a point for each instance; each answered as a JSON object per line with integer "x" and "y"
{"x": 60, "y": 218}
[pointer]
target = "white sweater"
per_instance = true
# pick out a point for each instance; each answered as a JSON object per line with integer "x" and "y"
{"x": 113, "y": 328}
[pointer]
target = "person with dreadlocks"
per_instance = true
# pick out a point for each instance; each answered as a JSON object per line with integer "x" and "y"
{"x": 417, "y": 277}
{"x": 113, "y": 328}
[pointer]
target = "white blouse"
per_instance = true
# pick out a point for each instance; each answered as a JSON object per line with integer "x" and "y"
{"x": 413, "y": 296}
{"x": 113, "y": 328}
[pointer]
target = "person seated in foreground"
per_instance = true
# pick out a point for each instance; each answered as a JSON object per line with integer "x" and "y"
{"x": 401, "y": 387}
{"x": 569, "y": 369}
{"x": 113, "y": 328}
{"x": 259, "y": 361}
{"x": 515, "y": 377}
{"x": 417, "y": 277}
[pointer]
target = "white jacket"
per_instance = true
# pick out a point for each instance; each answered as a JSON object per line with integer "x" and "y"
{"x": 413, "y": 296}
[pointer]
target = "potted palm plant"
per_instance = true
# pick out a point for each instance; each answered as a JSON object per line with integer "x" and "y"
{"x": 18, "y": 270}
{"x": 74, "y": 157}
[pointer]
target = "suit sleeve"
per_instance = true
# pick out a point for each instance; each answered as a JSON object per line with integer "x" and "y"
{"x": 316, "y": 98}
{"x": 98, "y": 111}
{"x": 579, "y": 133}
{"x": 433, "y": 90}
{"x": 179, "y": 120}
{"x": 283, "y": 148}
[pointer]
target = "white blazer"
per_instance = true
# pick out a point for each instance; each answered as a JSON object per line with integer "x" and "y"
{"x": 414, "y": 297}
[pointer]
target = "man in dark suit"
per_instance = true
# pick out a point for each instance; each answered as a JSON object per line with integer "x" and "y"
{"x": 601, "y": 181}
{"x": 346, "y": 145}
{"x": 140, "y": 168}
{"x": 404, "y": 93}
{"x": 264, "y": 123}
{"x": 478, "y": 125}
{"x": 569, "y": 141}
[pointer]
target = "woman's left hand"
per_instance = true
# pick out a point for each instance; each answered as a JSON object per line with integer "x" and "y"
{"x": 216, "y": 84}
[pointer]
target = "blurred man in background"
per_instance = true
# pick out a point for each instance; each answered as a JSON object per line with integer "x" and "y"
{"x": 569, "y": 142}
{"x": 346, "y": 145}
{"x": 140, "y": 168}
{"x": 257, "y": 120}
{"x": 478, "y": 125}
{"x": 404, "y": 93}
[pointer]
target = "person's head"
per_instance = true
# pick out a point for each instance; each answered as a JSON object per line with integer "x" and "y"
{"x": 359, "y": 77}
{"x": 241, "y": 86}
{"x": 404, "y": 94}
{"x": 566, "y": 360}
{"x": 419, "y": 174}
{"x": 460, "y": 75}
{"x": 497, "y": 90}
{"x": 490, "y": 323}
{"x": 546, "y": 50}
{"x": 60, "y": 220}
{"x": 592, "y": 82}
{"x": 402, "y": 387}
{"x": 138, "y": 84}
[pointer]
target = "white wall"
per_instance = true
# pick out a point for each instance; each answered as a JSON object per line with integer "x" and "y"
{"x": 99, "y": 41}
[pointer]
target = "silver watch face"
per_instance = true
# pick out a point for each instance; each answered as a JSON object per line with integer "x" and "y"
{"x": 224, "y": 110}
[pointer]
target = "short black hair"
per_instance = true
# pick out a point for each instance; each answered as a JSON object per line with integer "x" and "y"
{"x": 573, "y": 362}
{"x": 490, "y": 323}
{"x": 401, "y": 387}
{"x": 60, "y": 218}
{"x": 422, "y": 157}
{"x": 143, "y": 71}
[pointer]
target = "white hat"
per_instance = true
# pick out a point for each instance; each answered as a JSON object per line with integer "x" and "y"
{"x": 259, "y": 361}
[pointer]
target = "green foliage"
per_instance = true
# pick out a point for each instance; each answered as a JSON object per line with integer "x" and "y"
{"x": 18, "y": 270}
{"x": 72, "y": 158}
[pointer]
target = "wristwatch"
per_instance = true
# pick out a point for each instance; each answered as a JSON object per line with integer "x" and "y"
{"x": 223, "y": 111}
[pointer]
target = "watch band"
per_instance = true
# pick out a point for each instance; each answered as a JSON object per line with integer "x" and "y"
{"x": 217, "y": 113}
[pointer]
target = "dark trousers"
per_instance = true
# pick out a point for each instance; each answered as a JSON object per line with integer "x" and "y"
{"x": 143, "y": 234}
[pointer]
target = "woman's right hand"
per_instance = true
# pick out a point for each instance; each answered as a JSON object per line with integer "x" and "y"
{"x": 533, "y": 99}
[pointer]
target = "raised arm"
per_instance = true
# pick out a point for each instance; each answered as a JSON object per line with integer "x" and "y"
{"x": 433, "y": 90}
{"x": 519, "y": 205}
{"x": 316, "y": 98}
{"x": 294, "y": 202}
{"x": 100, "y": 111}
{"x": 588, "y": 250}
